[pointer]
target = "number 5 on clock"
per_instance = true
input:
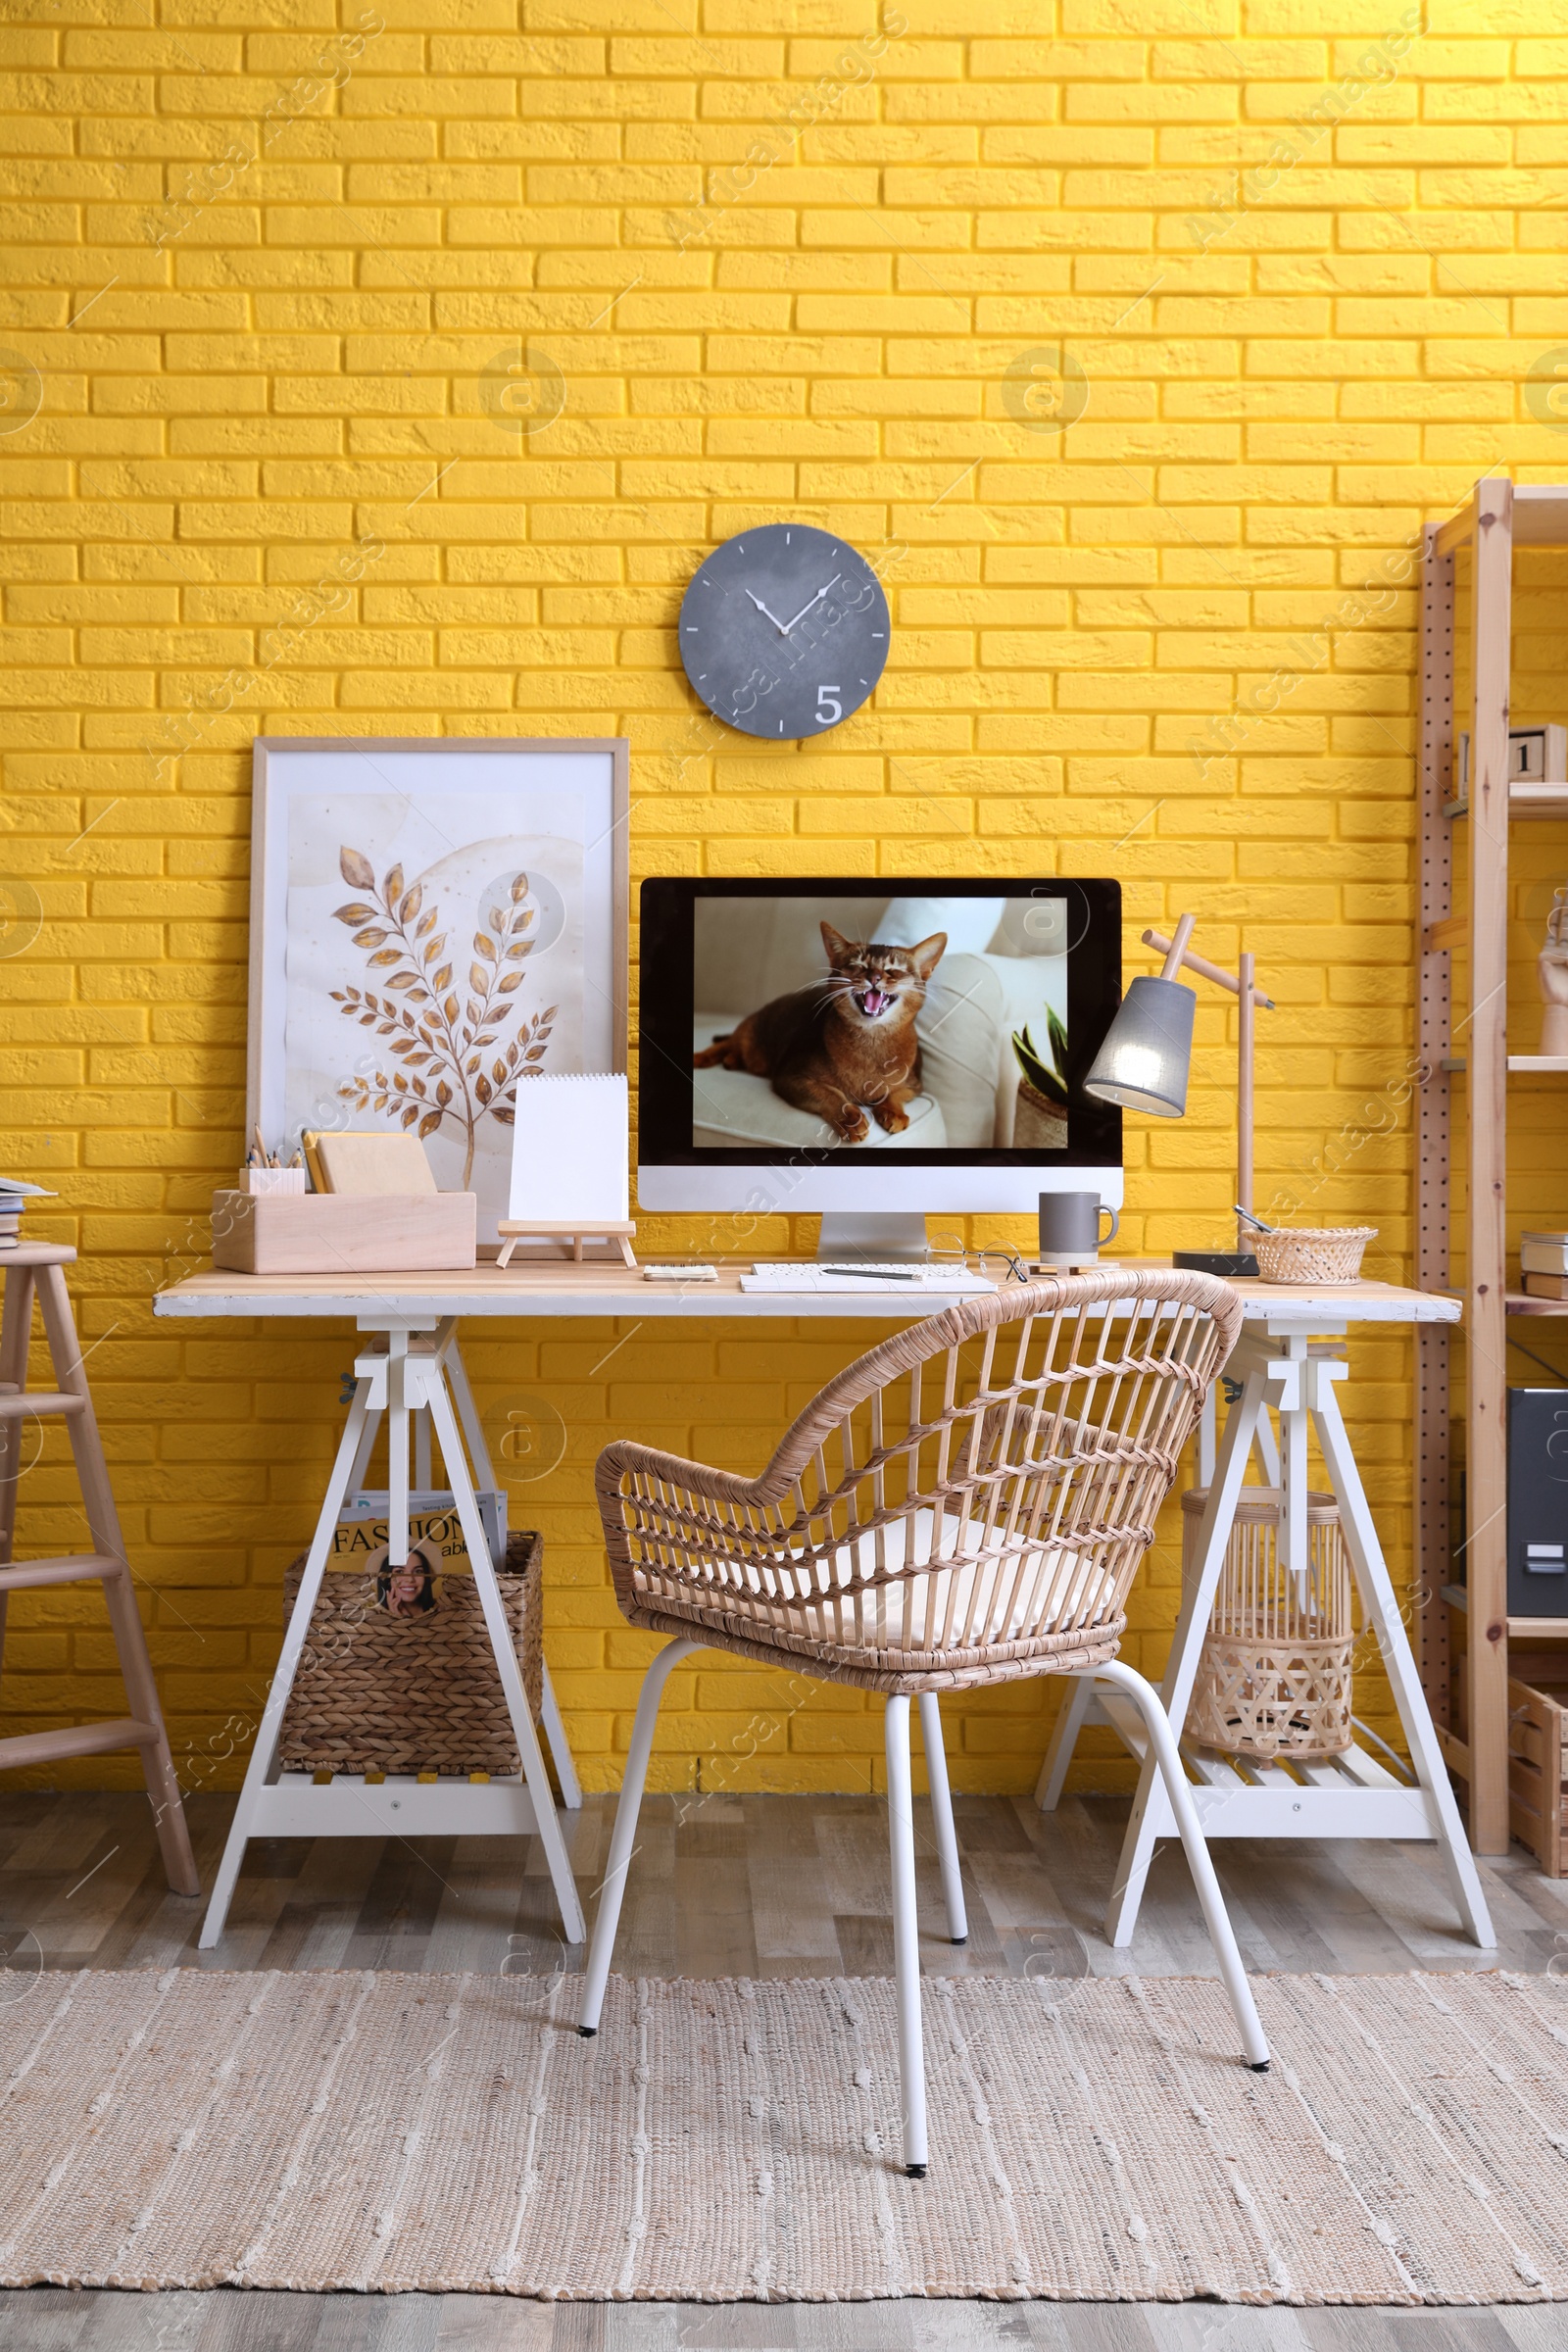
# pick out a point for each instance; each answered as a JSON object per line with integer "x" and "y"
{"x": 833, "y": 712}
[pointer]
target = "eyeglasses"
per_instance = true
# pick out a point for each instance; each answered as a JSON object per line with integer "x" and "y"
{"x": 998, "y": 1264}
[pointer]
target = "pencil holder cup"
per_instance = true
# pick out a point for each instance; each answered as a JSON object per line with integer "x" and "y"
{"x": 272, "y": 1180}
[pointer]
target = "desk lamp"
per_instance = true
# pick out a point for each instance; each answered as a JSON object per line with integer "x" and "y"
{"x": 1145, "y": 1060}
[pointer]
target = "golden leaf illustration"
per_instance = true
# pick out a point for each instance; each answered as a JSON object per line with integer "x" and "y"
{"x": 401, "y": 939}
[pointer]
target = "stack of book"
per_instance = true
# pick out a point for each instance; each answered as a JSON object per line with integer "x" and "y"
{"x": 13, "y": 1199}
{"x": 1543, "y": 1263}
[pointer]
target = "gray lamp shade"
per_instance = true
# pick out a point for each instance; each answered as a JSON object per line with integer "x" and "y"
{"x": 1144, "y": 1061}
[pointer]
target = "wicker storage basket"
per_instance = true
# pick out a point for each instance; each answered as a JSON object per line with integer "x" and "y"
{"x": 420, "y": 1693}
{"x": 1274, "y": 1678}
{"x": 1311, "y": 1252}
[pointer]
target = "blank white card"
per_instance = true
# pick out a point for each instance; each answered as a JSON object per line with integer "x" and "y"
{"x": 570, "y": 1149}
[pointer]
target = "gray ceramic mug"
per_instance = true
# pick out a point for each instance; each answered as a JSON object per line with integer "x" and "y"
{"x": 1070, "y": 1225}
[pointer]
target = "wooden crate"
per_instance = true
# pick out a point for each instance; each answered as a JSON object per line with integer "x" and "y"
{"x": 1538, "y": 1770}
{"x": 345, "y": 1233}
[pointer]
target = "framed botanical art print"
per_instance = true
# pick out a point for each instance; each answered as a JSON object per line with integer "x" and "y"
{"x": 434, "y": 922}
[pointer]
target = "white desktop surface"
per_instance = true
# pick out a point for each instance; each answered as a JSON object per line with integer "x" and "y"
{"x": 562, "y": 1289}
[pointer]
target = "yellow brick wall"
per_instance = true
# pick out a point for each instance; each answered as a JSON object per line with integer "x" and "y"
{"x": 1133, "y": 342}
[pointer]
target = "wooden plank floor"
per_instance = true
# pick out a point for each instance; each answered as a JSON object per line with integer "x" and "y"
{"x": 757, "y": 1886}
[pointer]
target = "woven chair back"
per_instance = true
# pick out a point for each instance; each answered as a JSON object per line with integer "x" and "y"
{"x": 977, "y": 1491}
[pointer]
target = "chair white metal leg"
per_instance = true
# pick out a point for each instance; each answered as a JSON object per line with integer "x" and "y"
{"x": 906, "y": 1937}
{"x": 936, "y": 1772}
{"x": 602, "y": 1949}
{"x": 1162, "y": 1741}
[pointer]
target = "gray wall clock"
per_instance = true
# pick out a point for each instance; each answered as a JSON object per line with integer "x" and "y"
{"x": 784, "y": 630}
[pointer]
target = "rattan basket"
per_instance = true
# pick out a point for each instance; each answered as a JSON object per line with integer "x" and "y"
{"x": 1274, "y": 1678}
{"x": 1311, "y": 1252}
{"x": 380, "y": 1693}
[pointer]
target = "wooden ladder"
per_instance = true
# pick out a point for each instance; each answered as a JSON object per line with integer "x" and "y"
{"x": 35, "y": 1269}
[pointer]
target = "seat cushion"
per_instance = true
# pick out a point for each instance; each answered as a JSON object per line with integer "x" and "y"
{"x": 988, "y": 1610}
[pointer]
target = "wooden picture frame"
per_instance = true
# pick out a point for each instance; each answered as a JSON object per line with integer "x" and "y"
{"x": 346, "y": 1026}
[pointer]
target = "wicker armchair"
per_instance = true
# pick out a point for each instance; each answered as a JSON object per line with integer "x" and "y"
{"x": 968, "y": 1504}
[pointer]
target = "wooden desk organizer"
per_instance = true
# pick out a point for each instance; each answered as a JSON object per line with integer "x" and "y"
{"x": 344, "y": 1232}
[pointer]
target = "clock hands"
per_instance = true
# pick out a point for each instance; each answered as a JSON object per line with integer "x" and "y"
{"x": 772, "y": 617}
{"x": 806, "y": 607}
{"x": 785, "y": 626}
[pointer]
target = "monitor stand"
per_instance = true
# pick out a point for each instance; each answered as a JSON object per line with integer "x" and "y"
{"x": 891, "y": 1235}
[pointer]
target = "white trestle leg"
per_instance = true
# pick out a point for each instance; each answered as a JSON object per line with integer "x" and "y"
{"x": 547, "y": 1822}
{"x": 268, "y": 1734}
{"x": 472, "y": 1428}
{"x": 555, "y": 1734}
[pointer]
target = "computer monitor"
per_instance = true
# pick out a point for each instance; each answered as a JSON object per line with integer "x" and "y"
{"x": 875, "y": 1051}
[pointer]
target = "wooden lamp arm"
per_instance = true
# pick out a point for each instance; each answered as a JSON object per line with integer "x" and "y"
{"x": 1178, "y": 954}
{"x": 1200, "y": 963}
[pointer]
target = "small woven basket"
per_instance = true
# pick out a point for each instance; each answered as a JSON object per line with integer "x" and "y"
{"x": 1274, "y": 1678}
{"x": 1311, "y": 1252}
{"x": 416, "y": 1693}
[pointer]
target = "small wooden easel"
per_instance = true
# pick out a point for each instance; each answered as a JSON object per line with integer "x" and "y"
{"x": 513, "y": 1230}
{"x": 569, "y": 1152}
{"x": 35, "y": 1269}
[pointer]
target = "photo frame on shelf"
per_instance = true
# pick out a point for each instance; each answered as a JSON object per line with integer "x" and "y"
{"x": 434, "y": 922}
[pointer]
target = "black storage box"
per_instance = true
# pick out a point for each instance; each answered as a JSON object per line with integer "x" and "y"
{"x": 1538, "y": 1502}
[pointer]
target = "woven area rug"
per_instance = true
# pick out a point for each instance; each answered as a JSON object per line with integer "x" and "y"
{"x": 731, "y": 2141}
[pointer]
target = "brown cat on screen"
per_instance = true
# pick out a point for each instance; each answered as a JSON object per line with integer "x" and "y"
{"x": 847, "y": 1043}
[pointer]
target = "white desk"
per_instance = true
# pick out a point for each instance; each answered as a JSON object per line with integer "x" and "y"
{"x": 378, "y": 1301}
{"x": 1281, "y": 1360}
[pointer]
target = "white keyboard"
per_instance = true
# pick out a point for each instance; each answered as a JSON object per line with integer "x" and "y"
{"x": 807, "y": 1277}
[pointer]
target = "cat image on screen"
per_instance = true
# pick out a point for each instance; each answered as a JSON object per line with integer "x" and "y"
{"x": 846, "y": 1045}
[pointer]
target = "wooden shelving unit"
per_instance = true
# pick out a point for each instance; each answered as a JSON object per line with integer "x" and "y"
{"x": 1496, "y": 520}
{"x": 1520, "y": 1629}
